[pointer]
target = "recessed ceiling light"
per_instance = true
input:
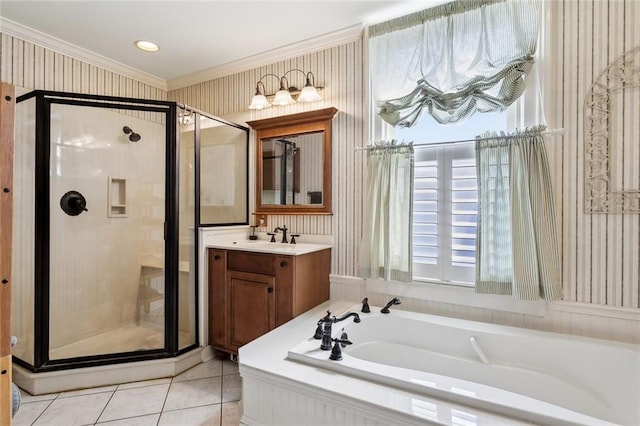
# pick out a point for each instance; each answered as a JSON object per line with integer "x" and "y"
{"x": 145, "y": 45}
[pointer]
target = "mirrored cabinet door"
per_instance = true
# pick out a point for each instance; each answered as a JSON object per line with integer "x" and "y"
{"x": 293, "y": 163}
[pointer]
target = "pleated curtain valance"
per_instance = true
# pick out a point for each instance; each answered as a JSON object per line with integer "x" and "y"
{"x": 453, "y": 60}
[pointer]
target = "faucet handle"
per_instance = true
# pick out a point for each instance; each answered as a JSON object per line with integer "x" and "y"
{"x": 273, "y": 236}
{"x": 365, "y": 306}
{"x": 336, "y": 352}
{"x": 293, "y": 238}
{"x": 318, "y": 333}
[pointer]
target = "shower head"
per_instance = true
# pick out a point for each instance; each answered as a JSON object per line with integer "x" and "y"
{"x": 133, "y": 136}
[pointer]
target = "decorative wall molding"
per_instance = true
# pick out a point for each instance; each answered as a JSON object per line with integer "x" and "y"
{"x": 600, "y": 197}
{"x": 49, "y": 42}
{"x": 293, "y": 50}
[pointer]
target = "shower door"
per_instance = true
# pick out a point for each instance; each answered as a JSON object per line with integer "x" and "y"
{"x": 107, "y": 196}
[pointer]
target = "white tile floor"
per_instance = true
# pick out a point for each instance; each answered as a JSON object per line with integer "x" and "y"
{"x": 207, "y": 394}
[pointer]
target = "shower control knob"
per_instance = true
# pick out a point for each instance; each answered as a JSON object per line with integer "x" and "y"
{"x": 73, "y": 203}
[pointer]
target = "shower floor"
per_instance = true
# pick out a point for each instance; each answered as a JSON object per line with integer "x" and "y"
{"x": 129, "y": 338}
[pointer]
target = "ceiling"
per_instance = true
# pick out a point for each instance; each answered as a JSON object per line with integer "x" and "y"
{"x": 196, "y": 35}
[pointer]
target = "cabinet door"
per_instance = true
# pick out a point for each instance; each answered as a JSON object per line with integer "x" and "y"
{"x": 285, "y": 267}
{"x": 217, "y": 302}
{"x": 251, "y": 307}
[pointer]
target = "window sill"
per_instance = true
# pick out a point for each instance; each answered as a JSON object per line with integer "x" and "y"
{"x": 458, "y": 295}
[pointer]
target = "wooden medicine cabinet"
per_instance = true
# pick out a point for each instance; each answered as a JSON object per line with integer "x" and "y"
{"x": 293, "y": 163}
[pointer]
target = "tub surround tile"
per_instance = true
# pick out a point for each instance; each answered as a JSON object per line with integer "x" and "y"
{"x": 194, "y": 393}
{"x": 206, "y": 415}
{"x": 75, "y": 410}
{"x": 135, "y": 402}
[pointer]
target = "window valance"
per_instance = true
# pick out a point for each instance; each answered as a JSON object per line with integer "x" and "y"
{"x": 453, "y": 60}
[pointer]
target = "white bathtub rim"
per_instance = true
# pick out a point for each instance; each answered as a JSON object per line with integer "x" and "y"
{"x": 263, "y": 362}
{"x": 504, "y": 402}
{"x": 556, "y": 412}
{"x": 358, "y": 402}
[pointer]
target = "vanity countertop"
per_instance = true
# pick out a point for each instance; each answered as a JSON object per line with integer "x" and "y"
{"x": 262, "y": 246}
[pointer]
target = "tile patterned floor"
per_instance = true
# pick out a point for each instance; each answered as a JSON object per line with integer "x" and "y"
{"x": 207, "y": 394}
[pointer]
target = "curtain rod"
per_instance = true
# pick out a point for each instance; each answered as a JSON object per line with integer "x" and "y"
{"x": 553, "y": 132}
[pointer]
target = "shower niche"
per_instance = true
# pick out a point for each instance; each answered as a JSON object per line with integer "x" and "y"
{"x": 117, "y": 191}
{"x": 113, "y": 279}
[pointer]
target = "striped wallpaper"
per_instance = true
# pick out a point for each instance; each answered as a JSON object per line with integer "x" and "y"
{"x": 600, "y": 253}
{"x": 340, "y": 71}
{"x": 33, "y": 67}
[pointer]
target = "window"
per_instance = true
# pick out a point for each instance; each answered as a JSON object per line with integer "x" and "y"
{"x": 445, "y": 197}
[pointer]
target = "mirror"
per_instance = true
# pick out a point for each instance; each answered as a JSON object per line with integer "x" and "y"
{"x": 293, "y": 163}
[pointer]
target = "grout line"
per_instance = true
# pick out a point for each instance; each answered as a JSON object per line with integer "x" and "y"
{"x": 106, "y": 405}
{"x": 165, "y": 400}
{"x": 45, "y": 409}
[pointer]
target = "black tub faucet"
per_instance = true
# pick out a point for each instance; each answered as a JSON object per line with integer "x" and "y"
{"x": 323, "y": 331}
{"x": 394, "y": 301}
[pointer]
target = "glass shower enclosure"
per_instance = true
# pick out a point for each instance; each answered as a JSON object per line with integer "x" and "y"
{"x": 109, "y": 193}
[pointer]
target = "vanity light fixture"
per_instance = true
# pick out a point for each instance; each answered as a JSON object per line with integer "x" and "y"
{"x": 286, "y": 94}
{"x": 145, "y": 45}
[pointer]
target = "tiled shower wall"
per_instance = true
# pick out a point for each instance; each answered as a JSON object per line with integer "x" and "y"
{"x": 29, "y": 66}
{"x": 600, "y": 253}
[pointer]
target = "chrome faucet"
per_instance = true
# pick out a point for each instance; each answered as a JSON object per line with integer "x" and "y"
{"x": 323, "y": 331}
{"x": 394, "y": 301}
{"x": 284, "y": 233}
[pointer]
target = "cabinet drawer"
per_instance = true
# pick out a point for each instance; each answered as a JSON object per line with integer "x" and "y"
{"x": 258, "y": 263}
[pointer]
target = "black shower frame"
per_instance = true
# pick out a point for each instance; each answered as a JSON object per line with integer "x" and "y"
{"x": 43, "y": 101}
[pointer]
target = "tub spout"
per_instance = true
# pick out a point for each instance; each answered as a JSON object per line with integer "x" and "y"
{"x": 323, "y": 331}
{"x": 394, "y": 301}
{"x": 356, "y": 317}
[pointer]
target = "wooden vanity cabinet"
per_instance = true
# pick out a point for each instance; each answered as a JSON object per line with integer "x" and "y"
{"x": 252, "y": 293}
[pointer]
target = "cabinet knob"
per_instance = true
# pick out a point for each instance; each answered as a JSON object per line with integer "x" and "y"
{"x": 283, "y": 264}
{"x": 216, "y": 257}
{"x": 270, "y": 290}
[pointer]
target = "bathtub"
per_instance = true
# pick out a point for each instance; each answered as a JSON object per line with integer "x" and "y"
{"x": 541, "y": 377}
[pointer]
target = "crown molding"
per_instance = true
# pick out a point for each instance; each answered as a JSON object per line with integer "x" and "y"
{"x": 47, "y": 41}
{"x": 304, "y": 47}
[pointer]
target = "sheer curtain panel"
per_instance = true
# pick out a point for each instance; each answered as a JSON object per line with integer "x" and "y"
{"x": 517, "y": 245}
{"x": 386, "y": 248}
{"x": 452, "y": 60}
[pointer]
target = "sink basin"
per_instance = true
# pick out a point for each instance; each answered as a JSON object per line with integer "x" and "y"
{"x": 261, "y": 246}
